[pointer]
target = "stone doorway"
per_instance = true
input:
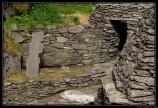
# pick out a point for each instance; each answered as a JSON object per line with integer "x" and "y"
{"x": 121, "y": 29}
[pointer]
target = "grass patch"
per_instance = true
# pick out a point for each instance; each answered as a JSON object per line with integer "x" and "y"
{"x": 63, "y": 73}
{"x": 45, "y": 14}
{"x": 16, "y": 77}
{"x": 72, "y": 8}
{"x": 9, "y": 45}
{"x": 51, "y": 74}
{"x": 72, "y": 20}
{"x": 25, "y": 21}
{"x": 50, "y": 14}
{"x": 78, "y": 19}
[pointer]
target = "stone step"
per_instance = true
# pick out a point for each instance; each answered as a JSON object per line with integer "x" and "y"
{"x": 114, "y": 95}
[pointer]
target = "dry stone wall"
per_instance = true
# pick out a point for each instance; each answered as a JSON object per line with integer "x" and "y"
{"x": 76, "y": 45}
{"x": 134, "y": 73}
{"x": 26, "y": 91}
{"x": 11, "y": 63}
{"x": 73, "y": 46}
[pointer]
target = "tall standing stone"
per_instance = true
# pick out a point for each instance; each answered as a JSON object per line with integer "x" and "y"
{"x": 33, "y": 60}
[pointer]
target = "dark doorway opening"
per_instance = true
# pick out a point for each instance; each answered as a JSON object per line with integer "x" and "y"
{"x": 121, "y": 28}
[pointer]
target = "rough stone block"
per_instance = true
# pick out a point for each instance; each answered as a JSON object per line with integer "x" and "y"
{"x": 148, "y": 21}
{"x": 144, "y": 99}
{"x": 46, "y": 43}
{"x": 52, "y": 38}
{"x": 59, "y": 45}
{"x": 87, "y": 61}
{"x": 149, "y": 54}
{"x": 17, "y": 37}
{"x": 60, "y": 58}
{"x": 149, "y": 46}
{"x": 68, "y": 48}
{"x": 146, "y": 80}
{"x": 139, "y": 93}
{"x": 61, "y": 39}
{"x": 151, "y": 31}
{"x": 86, "y": 40}
{"x": 137, "y": 86}
{"x": 67, "y": 80}
{"x": 63, "y": 30}
{"x": 87, "y": 55}
{"x": 79, "y": 46}
{"x": 140, "y": 72}
{"x": 75, "y": 29}
{"x": 148, "y": 59}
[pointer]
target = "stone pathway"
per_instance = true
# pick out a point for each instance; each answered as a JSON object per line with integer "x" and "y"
{"x": 114, "y": 95}
{"x": 35, "y": 48}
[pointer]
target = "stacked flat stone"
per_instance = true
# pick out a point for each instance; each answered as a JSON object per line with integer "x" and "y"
{"x": 135, "y": 71}
{"x": 102, "y": 98}
{"x": 11, "y": 63}
{"x": 23, "y": 92}
{"x": 72, "y": 46}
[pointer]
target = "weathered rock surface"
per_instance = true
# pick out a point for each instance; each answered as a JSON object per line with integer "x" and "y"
{"x": 77, "y": 96}
{"x": 60, "y": 58}
{"x": 75, "y": 29}
{"x": 67, "y": 45}
{"x": 11, "y": 63}
{"x": 17, "y": 37}
{"x": 134, "y": 72}
{"x": 139, "y": 93}
{"x": 113, "y": 94}
{"x": 61, "y": 39}
{"x": 35, "y": 48}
